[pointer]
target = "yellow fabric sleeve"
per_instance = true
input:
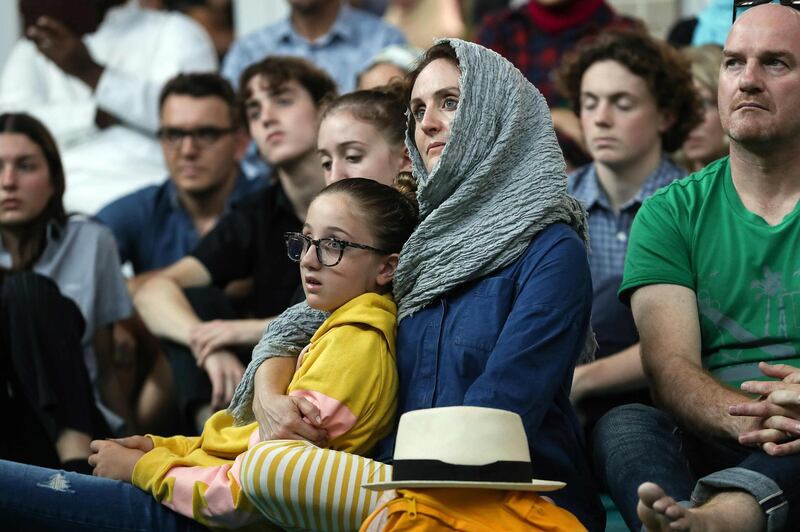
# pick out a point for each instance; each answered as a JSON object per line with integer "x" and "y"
{"x": 354, "y": 366}
{"x": 220, "y": 443}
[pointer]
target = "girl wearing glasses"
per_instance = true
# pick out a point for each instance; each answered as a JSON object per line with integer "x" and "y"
{"x": 493, "y": 292}
{"x": 348, "y": 252}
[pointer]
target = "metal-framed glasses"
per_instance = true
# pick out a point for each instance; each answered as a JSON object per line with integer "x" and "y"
{"x": 329, "y": 250}
{"x": 203, "y": 137}
{"x": 740, "y": 6}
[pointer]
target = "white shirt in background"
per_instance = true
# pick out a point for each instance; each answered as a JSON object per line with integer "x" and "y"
{"x": 140, "y": 50}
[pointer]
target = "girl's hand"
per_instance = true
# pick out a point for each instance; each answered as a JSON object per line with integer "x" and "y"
{"x": 143, "y": 443}
{"x": 113, "y": 460}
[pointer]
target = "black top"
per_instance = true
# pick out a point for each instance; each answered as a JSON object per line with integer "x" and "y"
{"x": 248, "y": 242}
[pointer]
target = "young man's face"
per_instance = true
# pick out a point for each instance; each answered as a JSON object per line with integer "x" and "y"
{"x": 200, "y": 147}
{"x": 621, "y": 122}
{"x": 282, "y": 120}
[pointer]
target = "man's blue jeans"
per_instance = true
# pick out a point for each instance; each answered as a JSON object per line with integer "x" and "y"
{"x": 633, "y": 444}
{"x": 35, "y": 498}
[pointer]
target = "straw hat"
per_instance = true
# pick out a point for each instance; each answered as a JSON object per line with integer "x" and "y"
{"x": 463, "y": 447}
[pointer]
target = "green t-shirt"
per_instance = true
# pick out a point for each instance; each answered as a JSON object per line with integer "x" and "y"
{"x": 696, "y": 233}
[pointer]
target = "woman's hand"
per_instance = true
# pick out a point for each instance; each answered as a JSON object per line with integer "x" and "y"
{"x": 284, "y": 417}
{"x": 113, "y": 460}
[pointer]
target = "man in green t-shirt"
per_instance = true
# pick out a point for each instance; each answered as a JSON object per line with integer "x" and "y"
{"x": 713, "y": 278}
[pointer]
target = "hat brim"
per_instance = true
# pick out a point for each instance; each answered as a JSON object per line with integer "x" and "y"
{"x": 533, "y": 485}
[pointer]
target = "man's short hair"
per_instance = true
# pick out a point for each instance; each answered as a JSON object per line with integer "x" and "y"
{"x": 663, "y": 69}
{"x": 201, "y": 85}
{"x": 278, "y": 70}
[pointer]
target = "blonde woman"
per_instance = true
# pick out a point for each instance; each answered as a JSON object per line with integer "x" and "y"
{"x": 706, "y": 142}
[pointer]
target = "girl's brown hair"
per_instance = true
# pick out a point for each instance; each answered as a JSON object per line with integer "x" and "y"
{"x": 384, "y": 108}
{"x": 391, "y": 212}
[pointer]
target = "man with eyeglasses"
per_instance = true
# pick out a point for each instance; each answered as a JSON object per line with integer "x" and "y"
{"x": 202, "y": 143}
{"x": 91, "y": 71}
{"x": 713, "y": 277}
{"x": 205, "y": 342}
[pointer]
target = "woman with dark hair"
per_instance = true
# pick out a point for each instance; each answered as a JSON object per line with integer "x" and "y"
{"x": 30, "y": 226}
{"x": 493, "y": 289}
{"x": 61, "y": 290}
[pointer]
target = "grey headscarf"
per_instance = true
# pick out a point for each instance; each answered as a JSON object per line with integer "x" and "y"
{"x": 499, "y": 181}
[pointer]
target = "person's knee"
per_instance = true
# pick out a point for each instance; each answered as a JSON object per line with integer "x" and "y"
{"x": 626, "y": 430}
{"x": 260, "y": 463}
{"x": 625, "y": 420}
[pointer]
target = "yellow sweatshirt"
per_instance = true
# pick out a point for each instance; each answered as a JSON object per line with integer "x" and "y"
{"x": 348, "y": 371}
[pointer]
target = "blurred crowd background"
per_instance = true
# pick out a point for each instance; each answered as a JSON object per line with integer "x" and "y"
{"x": 227, "y": 19}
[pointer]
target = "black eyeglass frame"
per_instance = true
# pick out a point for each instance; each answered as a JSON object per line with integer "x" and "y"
{"x": 312, "y": 242}
{"x": 212, "y": 132}
{"x": 747, "y": 4}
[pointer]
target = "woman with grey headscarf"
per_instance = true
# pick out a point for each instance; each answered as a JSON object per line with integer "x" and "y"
{"x": 493, "y": 287}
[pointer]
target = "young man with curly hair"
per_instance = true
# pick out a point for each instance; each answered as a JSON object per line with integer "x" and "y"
{"x": 636, "y": 103}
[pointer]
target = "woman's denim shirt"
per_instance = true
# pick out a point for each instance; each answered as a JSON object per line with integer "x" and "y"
{"x": 510, "y": 340}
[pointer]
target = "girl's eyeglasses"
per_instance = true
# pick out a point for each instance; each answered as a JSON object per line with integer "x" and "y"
{"x": 329, "y": 250}
{"x": 740, "y": 6}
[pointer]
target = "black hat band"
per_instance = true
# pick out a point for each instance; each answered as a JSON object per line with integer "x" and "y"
{"x": 436, "y": 470}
